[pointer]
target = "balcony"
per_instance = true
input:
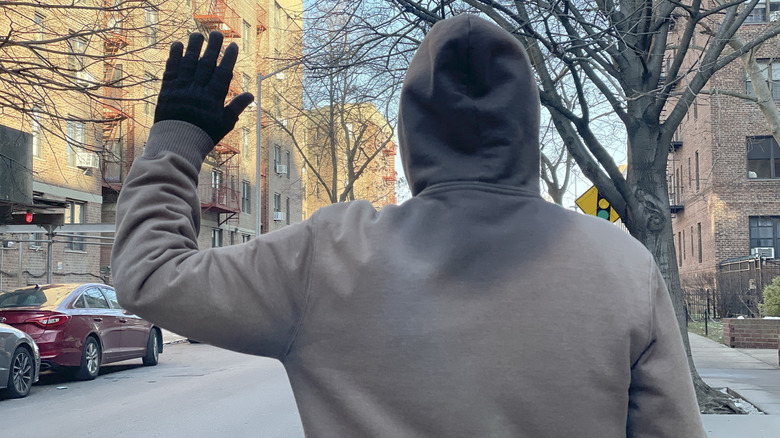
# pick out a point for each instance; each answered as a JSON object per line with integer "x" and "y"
{"x": 219, "y": 199}
{"x": 217, "y": 15}
{"x": 675, "y": 202}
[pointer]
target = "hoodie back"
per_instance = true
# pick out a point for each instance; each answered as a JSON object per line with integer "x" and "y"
{"x": 475, "y": 309}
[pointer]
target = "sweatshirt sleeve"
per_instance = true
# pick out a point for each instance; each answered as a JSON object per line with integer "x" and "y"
{"x": 662, "y": 402}
{"x": 248, "y": 297}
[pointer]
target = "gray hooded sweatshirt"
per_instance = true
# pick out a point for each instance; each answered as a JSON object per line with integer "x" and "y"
{"x": 475, "y": 309}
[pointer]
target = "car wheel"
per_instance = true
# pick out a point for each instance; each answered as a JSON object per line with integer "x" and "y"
{"x": 152, "y": 349}
{"x": 90, "y": 360}
{"x": 21, "y": 374}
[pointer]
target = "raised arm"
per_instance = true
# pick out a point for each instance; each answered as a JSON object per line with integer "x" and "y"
{"x": 246, "y": 297}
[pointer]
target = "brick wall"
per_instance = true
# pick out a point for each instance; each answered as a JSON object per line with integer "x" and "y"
{"x": 751, "y": 332}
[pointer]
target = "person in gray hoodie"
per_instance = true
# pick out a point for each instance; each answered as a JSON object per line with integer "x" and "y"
{"x": 474, "y": 309}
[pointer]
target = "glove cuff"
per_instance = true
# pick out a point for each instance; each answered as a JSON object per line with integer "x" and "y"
{"x": 181, "y": 138}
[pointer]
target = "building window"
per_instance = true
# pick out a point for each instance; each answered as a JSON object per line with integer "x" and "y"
{"x": 216, "y": 237}
{"x": 246, "y": 203}
{"x": 697, "y": 170}
{"x": 763, "y": 158}
{"x": 151, "y": 20}
{"x": 771, "y": 73}
{"x": 148, "y": 93}
{"x": 76, "y": 47}
{"x": 277, "y": 203}
{"x": 232, "y": 237}
{"x": 692, "y": 252}
{"x": 698, "y": 226}
{"x": 247, "y": 34}
{"x": 245, "y": 142}
{"x": 690, "y": 174}
{"x": 287, "y": 154}
{"x": 246, "y": 82}
{"x": 245, "y": 238}
{"x": 35, "y": 130}
{"x": 759, "y": 13}
{"x": 40, "y": 26}
{"x": 277, "y": 157}
{"x": 765, "y": 233}
{"x": 75, "y": 214}
{"x": 679, "y": 248}
{"x": 682, "y": 243}
{"x": 287, "y": 211}
{"x": 76, "y": 140}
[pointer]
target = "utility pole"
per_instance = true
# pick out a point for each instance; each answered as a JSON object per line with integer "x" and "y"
{"x": 258, "y": 166}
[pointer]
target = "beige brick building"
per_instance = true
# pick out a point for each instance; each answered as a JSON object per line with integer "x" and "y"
{"x": 724, "y": 173}
{"x": 90, "y": 112}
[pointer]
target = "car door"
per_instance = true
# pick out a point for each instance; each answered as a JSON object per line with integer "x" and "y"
{"x": 135, "y": 331}
{"x": 106, "y": 322}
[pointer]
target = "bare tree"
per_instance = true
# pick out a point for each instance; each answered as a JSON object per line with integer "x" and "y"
{"x": 642, "y": 57}
{"x": 81, "y": 62}
{"x": 347, "y": 113}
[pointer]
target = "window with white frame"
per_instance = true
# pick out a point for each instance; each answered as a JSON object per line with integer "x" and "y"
{"x": 40, "y": 26}
{"x": 75, "y": 141}
{"x": 287, "y": 160}
{"x": 277, "y": 202}
{"x": 245, "y": 238}
{"x": 287, "y": 212}
{"x": 277, "y": 156}
{"x": 151, "y": 21}
{"x": 148, "y": 93}
{"x": 77, "y": 46}
{"x": 247, "y": 33}
{"x": 765, "y": 10}
{"x": 245, "y": 142}
{"x": 35, "y": 130}
{"x": 763, "y": 158}
{"x": 246, "y": 201}
{"x": 770, "y": 70}
{"x": 75, "y": 214}
{"x": 216, "y": 237}
{"x": 764, "y": 234}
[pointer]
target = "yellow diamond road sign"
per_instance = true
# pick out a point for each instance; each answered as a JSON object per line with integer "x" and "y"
{"x": 594, "y": 204}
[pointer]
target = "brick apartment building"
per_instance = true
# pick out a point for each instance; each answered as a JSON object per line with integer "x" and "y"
{"x": 724, "y": 172}
{"x": 75, "y": 167}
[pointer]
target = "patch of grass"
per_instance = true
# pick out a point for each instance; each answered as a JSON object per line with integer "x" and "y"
{"x": 714, "y": 329}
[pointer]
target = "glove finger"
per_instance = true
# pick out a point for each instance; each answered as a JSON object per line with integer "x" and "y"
{"x": 230, "y": 56}
{"x": 172, "y": 64}
{"x": 220, "y": 83}
{"x": 190, "y": 60}
{"x": 208, "y": 62}
{"x": 239, "y": 103}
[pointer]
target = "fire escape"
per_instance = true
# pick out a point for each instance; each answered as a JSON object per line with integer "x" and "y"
{"x": 389, "y": 175}
{"x": 222, "y": 196}
{"x": 116, "y": 158}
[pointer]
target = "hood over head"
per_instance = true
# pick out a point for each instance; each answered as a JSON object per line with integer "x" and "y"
{"x": 469, "y": 108}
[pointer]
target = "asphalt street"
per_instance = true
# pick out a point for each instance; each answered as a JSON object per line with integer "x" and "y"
{"x": 195, "y": 391}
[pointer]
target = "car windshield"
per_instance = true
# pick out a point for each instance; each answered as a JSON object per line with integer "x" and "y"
{"x": 34, "y": 296}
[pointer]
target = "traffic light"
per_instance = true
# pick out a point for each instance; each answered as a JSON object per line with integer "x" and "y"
{"x": 602, "y": 207}
{"x": 30, "y": 218}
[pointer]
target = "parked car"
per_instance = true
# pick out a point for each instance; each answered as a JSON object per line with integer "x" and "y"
{"x": 20, "y": 362}
{"x": 80, "y": 326}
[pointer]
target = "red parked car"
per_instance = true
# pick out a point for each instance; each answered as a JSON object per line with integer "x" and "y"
{"x": 80, "y": 326}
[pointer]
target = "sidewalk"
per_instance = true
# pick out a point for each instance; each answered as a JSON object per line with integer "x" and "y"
{"x": 171, "y": 337}
{"x": 752, "y": 373}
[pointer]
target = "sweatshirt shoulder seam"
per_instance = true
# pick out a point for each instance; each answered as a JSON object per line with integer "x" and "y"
{"x": 304, "y": 311}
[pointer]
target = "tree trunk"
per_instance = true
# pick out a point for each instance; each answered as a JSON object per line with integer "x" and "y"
{"x": 652, "y": 225}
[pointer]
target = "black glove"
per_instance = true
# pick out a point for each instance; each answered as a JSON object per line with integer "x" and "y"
{"x": 193, "y": 90}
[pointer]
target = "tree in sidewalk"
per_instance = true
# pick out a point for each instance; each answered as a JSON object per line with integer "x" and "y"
{"x": 643, "y": 58}
{"x": 72, "y": 70}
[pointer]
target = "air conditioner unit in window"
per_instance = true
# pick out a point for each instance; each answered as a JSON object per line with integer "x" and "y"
{"x": 764, "y": 251}
{"x": 279, "y": 216}
{"x": 280, "y": 75}
{"x": 281, "y": 169}
{"x": 284, "y": 122}
{"x": 774, "y": 16}
{"x": 87, "y": 159}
